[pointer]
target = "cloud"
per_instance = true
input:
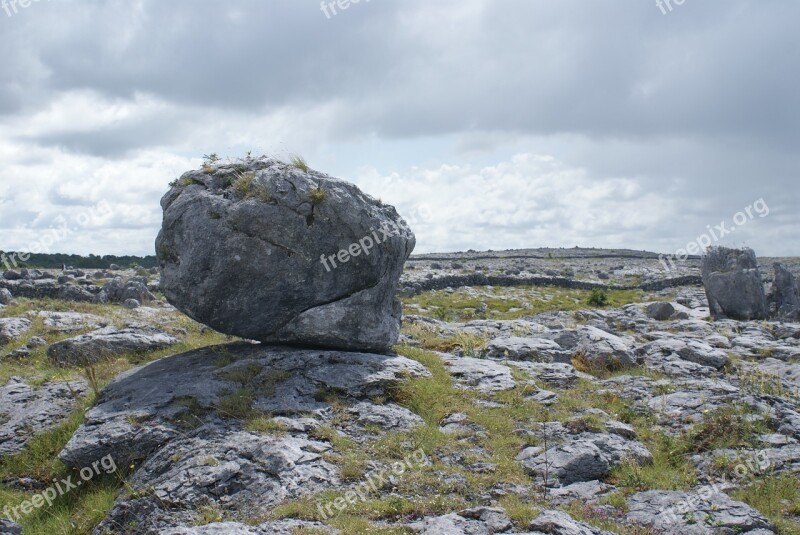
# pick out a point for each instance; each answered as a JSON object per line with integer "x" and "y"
{"x": 539, "y": 122}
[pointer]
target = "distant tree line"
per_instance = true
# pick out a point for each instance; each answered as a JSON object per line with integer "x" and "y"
{"x": 55, "y": 261}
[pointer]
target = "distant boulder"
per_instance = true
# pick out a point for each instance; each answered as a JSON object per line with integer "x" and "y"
{"x": 12, "y": 275}
{"x": 660, "y": 311}
{"x": 785, "y": 297}
{"x": 276, "y": 252}
{"x": 119, "y": 291}
{"x": 733, "y": 284}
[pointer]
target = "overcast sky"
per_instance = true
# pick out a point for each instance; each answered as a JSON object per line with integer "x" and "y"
{"x": 489, "y": 124}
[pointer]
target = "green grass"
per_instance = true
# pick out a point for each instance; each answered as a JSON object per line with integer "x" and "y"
{"x": 76, "y": 512}
{"x": 318, "y": 195}
{"x": 298, "y": 162}
{"x": 778, "y": 498}
{"x": 508, "y": 303}
{"x": 80, "y": 510}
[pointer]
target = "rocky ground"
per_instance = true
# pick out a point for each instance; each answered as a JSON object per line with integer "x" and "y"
{"x": 510, "y": 405}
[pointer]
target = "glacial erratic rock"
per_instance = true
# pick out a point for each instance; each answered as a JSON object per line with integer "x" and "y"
{"x": 733, "y": 284}
{"x": 271, "y": 252}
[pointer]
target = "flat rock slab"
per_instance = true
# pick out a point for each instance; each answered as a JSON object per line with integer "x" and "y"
{"x": 26, "y": 411}
{"x": 705, "y": 511}
{"x": 289, "y": 382}
{"x": 583, "y": 457}
{"x": 556, "y": 374}
{"x": 65, "y": 322}
{"x": 141, "y": 419}
{"x": 560, "y": 523}
{"x": 278, "y": 527}
{"x": 476, "y": 521}
{"x": 12, "y": 329}
{"x": 479, "y": 374}
{"x": 106, "y": 342}
{"x": 523, "y": 348}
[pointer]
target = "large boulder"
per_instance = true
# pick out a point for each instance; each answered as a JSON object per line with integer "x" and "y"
{"x": 785, "y": 296}
{"x": 268, "y": 251}
{"x": 733, "y": 284}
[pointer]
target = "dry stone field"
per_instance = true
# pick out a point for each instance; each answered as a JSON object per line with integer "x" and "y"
{"x": 544, "y": 391}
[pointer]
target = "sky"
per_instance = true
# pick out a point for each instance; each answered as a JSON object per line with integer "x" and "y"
{"x": 489, "y": 124}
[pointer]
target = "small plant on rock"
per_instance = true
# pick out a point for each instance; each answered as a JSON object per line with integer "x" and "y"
{"x": 298, "y": 162}
{"x": 317, "y": 196}
{"x": 598, "y": 298}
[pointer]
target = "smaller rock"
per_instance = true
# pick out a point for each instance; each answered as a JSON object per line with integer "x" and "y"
{"x": 785, "y": 296}
{"x": 36, "y": 341}
{"x": 131, "y": 304}
{"x": 479, "y": 374}
{"x": 5, "y": 296}
{"x": 533, "y": 349}
{"x": 598, "y": 349}
{"x": 20, "y": 354}
{"x": 13, "y": 328}
{"x": 12, "y": 275}
{"x": 660, "y": 311}
{"x": 95, "y": 346}
{"x": 8, "y": 527}
{"x": 476, "y": 521}
{"x": 560, "y": 523}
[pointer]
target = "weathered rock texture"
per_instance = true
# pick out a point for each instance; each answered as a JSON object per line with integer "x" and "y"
{"x": 733, "y": 284}
{"x": 785, "y": 296}
{"x": 241, "y": 246}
